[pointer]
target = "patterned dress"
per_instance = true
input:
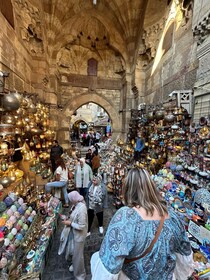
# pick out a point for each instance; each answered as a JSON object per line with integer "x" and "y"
{"x": 128, "y": 236}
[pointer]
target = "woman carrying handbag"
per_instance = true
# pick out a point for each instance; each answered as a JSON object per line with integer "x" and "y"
{"x": 78, "y": 223}
{"x": 143, "y": 237}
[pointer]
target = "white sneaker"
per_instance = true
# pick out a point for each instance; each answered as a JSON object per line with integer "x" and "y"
{"x": 88, "y": 234}
{"x": 71, "y": 269}
{"x": 101, "y": 230}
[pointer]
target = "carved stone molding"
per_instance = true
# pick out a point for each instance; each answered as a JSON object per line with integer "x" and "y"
{"x": 73, "y": 59}
{"x": 202, "y": 30}
{"x": 29, "y": 23}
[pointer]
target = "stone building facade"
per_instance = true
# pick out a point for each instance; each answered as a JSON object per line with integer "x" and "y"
{"x": 116, "y": 54}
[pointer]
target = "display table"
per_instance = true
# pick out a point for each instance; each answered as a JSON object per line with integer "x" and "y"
{"x": 26, "y": 234}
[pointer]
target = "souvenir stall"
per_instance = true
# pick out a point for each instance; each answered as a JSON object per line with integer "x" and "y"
{"x": 113, "y": 170}
{"x": 185, "y": 185}
{"x": 177, "y": 153}
{"x": 27, "y": 217}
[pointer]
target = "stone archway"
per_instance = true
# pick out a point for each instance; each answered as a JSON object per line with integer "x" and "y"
{"x": 74, "y": 103}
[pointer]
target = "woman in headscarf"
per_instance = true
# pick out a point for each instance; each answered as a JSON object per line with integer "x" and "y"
{"x": 83, "y": 175}
{"x": 96, "y": 195}
{"x": 78, "y": 221}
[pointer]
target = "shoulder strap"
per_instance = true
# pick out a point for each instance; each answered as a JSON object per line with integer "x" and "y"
{"x": 151, "y": 245}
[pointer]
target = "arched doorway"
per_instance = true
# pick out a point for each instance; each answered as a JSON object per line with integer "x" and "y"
{"x": 77, "y": 128}
{"x": 74, "y": 103}
{"x": 90, "y": 120}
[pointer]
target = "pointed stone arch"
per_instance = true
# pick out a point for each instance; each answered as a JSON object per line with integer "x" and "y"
{"x": 76, "y": 102}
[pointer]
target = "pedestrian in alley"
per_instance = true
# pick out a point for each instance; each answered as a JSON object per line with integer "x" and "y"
{"x": 62, "y": 175}
{"x": 95, "y": 162}
{"x": 144, "y": 237}
{"x": 82, "y": 176}
{"x": 88, "y": 157}
{"x": 78, "y": 222}
{"x": 97, "y": 195}
{"x": 55, "y": 153}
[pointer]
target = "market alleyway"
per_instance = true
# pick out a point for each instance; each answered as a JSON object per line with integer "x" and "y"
{"x": 57, "y": 267}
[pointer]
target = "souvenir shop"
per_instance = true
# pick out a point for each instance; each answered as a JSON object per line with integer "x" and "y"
{"x": 172, "y": 147}
{"x": 176, "y": 151}
{"x": 28, "y": 218}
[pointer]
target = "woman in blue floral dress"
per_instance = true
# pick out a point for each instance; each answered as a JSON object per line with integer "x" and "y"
{"x": 131, "y": 231}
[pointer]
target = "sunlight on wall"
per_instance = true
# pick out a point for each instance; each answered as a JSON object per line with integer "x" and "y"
{"x": 175, "y": 15}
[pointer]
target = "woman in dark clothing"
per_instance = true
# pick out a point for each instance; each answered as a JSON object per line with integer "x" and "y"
{"x": 88, "y": 157}
{"x": 55, "y": 153}
{"x": 95, "y": 162}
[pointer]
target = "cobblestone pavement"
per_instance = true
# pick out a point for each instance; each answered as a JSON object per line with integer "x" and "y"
{"x": 57, "y": 267}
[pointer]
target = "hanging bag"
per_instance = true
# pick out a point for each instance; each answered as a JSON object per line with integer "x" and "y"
{"x": 63, "y": 239}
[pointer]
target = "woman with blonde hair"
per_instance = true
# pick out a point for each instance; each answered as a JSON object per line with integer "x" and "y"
{"x": 142, "y": 237}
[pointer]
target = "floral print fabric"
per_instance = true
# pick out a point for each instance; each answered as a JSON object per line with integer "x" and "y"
{"x": 128, "y": 236}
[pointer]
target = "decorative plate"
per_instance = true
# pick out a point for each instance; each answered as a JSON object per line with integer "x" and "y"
{"x": 30, "y": 254}
{"x": 192, "y": 168}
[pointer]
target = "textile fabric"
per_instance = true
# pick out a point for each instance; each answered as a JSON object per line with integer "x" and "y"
{"x": 98, "y": 270}
{"x": 91, "y": 214}
{"x": 63, "y": 173}
{"x": 95, "y": 198}
{"x": 83, "y": 176}
{"x": 58, "y": 184}
{"x": 78, "y": 261}
{"x": 80, "y": 222}
{"x": 79, "y": 226}
{"x": 128, "y": 235}
{"x": 95, "y": 162}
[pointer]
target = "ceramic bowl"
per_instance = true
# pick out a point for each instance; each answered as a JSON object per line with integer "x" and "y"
{"x": 3, "y": 206}
{"x": 13, "y": 208}
{"x": 14, "y": 231}
{"x": 6, "y": 242}
{"x": 20, "y": 201}
{"x": 19, "y": 236}
{"x": 10, "y": 236}
{"x": 8, "y": 201}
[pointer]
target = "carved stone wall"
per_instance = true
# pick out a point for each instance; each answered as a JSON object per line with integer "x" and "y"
{"x": 28, "y": 25}
{"x": 14, "y": 59}
{"x": 171, "y": 62}
{"x": 73, "y": 60}
{"x": 201, "y": 32}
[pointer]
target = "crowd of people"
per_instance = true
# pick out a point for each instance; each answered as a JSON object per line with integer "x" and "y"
{"x": 86, "y": 138}
{"x": 144, "y": 238}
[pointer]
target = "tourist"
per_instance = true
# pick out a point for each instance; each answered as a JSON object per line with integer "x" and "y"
{"x": 139, "y": 146}
{"x": 95, "y": 162}
{"x": 55, "y": 153}
{"x": 130, "y": 247}
{"x": 62, "y": 175}
{"x": 78, "y": 221}
{"x": 83, "y": 175}
{"x": 96, "y": 197}
{"x": 88, "y": 157}
{"x": 98, "y": 137}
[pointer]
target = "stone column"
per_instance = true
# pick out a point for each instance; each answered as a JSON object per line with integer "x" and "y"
{"x": 126, "y": 103}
